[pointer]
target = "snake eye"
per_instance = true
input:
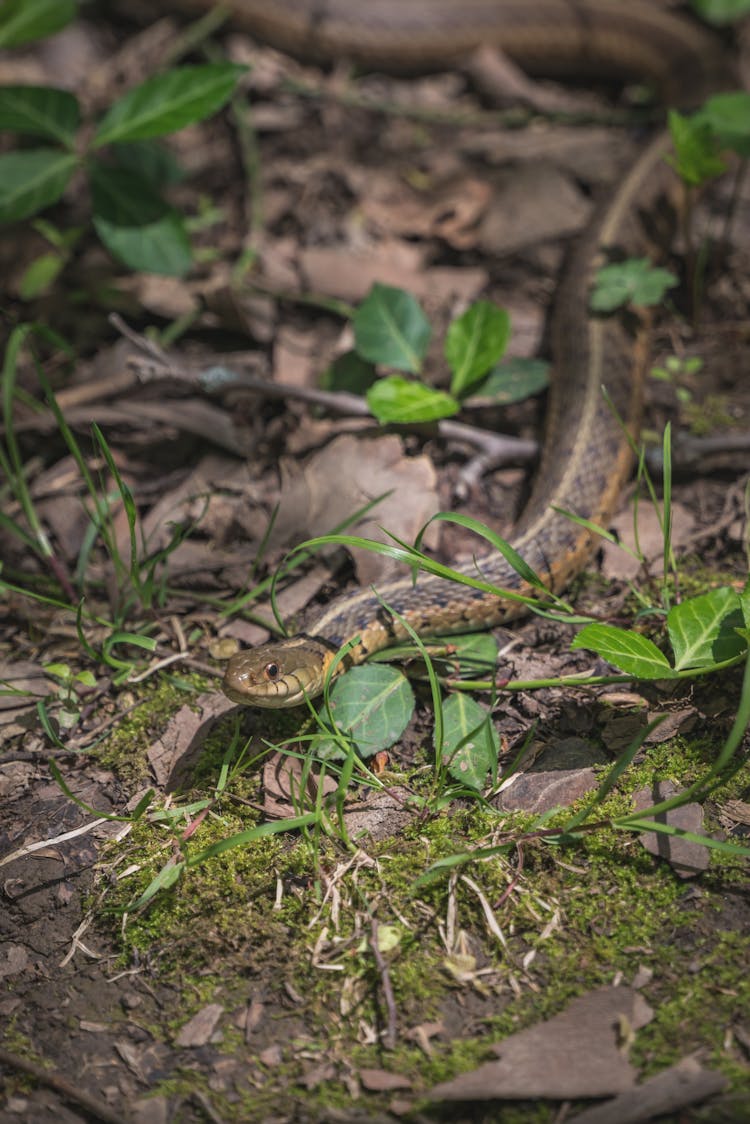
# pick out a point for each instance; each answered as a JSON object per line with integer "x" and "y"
{"x": 272, "y": 671}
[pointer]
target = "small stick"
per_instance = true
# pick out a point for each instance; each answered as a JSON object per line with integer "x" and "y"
{"x": 389, "y": 1038}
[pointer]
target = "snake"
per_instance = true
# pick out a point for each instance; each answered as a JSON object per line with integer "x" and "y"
{"x": 586, "y": 455}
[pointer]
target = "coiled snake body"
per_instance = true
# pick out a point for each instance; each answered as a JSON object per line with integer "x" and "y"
{"x": 586, "y": 457}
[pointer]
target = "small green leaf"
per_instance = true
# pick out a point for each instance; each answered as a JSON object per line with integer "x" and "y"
{"x": 515, "y": 380}
{"x": 721, "y": 11}
{"x": 373, "y": 705}
{"x": 403, "y": 402}
{"x": 40, "y": 111}
{"x": 349, "y": 372}
{"x": 390, "y": 328}
{"x": 476, "y": 654}
{"x": 471, "y": 745}
{"x": 168, "y": 102}
{"x": 703, "y": 630}
{"x": 32, "y": 180}
{"x": 136, "y": 225}
{"x": 21, "y": 21}
{"x": 474, "y": 342}
{"x": 632, "y": 653}
{"x": 728, "y": 118}
{"x": 39, "y": 277}
{"x": 696, "y": 159}
{"x": 635, "y": 281}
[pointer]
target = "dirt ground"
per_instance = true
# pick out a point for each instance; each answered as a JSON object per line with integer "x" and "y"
{"x": 246, "y": 991}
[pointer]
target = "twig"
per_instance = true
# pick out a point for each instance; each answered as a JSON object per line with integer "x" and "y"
{"x": 65, "y": 1088}
{"x": 389, "y": 1037}
{"x": 154, "y": 365}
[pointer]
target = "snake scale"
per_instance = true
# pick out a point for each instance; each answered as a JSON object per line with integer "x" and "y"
{"x": 586, "y": 457}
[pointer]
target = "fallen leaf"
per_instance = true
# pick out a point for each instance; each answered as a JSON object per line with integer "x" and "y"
{"x": 198, "y": 1030}
{"x": 579, "y": 1049}
{"x": 667, "y": 1093}
{"x": 381, "y": 1081}
{"x": 344, "y": 477}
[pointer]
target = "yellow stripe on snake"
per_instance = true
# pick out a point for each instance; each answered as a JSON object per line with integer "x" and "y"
{"x": 586, "y": 457}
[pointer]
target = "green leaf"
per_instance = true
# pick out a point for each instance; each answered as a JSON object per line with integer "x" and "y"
{"x": 373, "y": 705}
{"x": 39, "y": 277}
{"x": 390, "y": 328}
{"x": 475, "y": 654}
{"x": 703, "y": 630}
{"x": 632, "y": 653}
{"x": 728, "y": 118}
{"x": 349, "y": 372}
{"x": 471, "y": 746}
{"x": 404, "y": 402}
{"x": 41, "y": 111}
{"x": 136, "y": 225}
{"x": 721, "y": 11}
{"x": 21, "y": 21}
{"x": 634, "y": 281}
{"x": 474, "y": 342}
{"x": 696, "y": 159}
{"x": 149, "y": 160}
{"x": 168, "y": 102}
{"x": 515, "y": 380}
{"x": 32, "y": 180}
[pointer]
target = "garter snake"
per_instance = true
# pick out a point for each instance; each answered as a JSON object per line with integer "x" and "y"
{"x": 586, "y": 456}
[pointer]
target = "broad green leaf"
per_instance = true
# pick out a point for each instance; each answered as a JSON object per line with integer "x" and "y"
{"x": 703, "y": 629}
{"x": 373, "y": 705}
{"x": 390, "y": 328}
{"x": 136, "y": 225}
{"x": 696, "y": 158}
{"x": 475, "y": 655}
{"x": 721, "y": 11}
{"x": 635, "y": 281}
{"x": 149, "y": 160}
{"x": 471, "y": 745}
{"x": 728, "y": 117}
{"x": 632, "y": 653}
{"x": 474, "y": 342}
{"x": 41, "y": 111}
{"x": 349, "y": 372}
{"x": 21, "y": 21}
{"x": 515, "y": 380}
{"x": 399, "y": 400}
{"x": 168, "y": 102}
{"x": 30, "y": 181}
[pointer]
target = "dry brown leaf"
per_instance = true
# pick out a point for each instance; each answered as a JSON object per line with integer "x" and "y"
{"x": 617, "y": 564}
{"x": 579, "y": 1049}
{"x": 381, "y": 1081}
{"x": 532, "y": 203}
{"x": 342, "y": 478}
{"x": 665, "y": 1094}
{"x": 198, "y": 1030}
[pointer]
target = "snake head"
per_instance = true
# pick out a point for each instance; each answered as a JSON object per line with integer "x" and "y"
{"x": 278, "y": 674}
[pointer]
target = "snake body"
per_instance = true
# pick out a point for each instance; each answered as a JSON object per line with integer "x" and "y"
{"x": 586, "y": 456}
